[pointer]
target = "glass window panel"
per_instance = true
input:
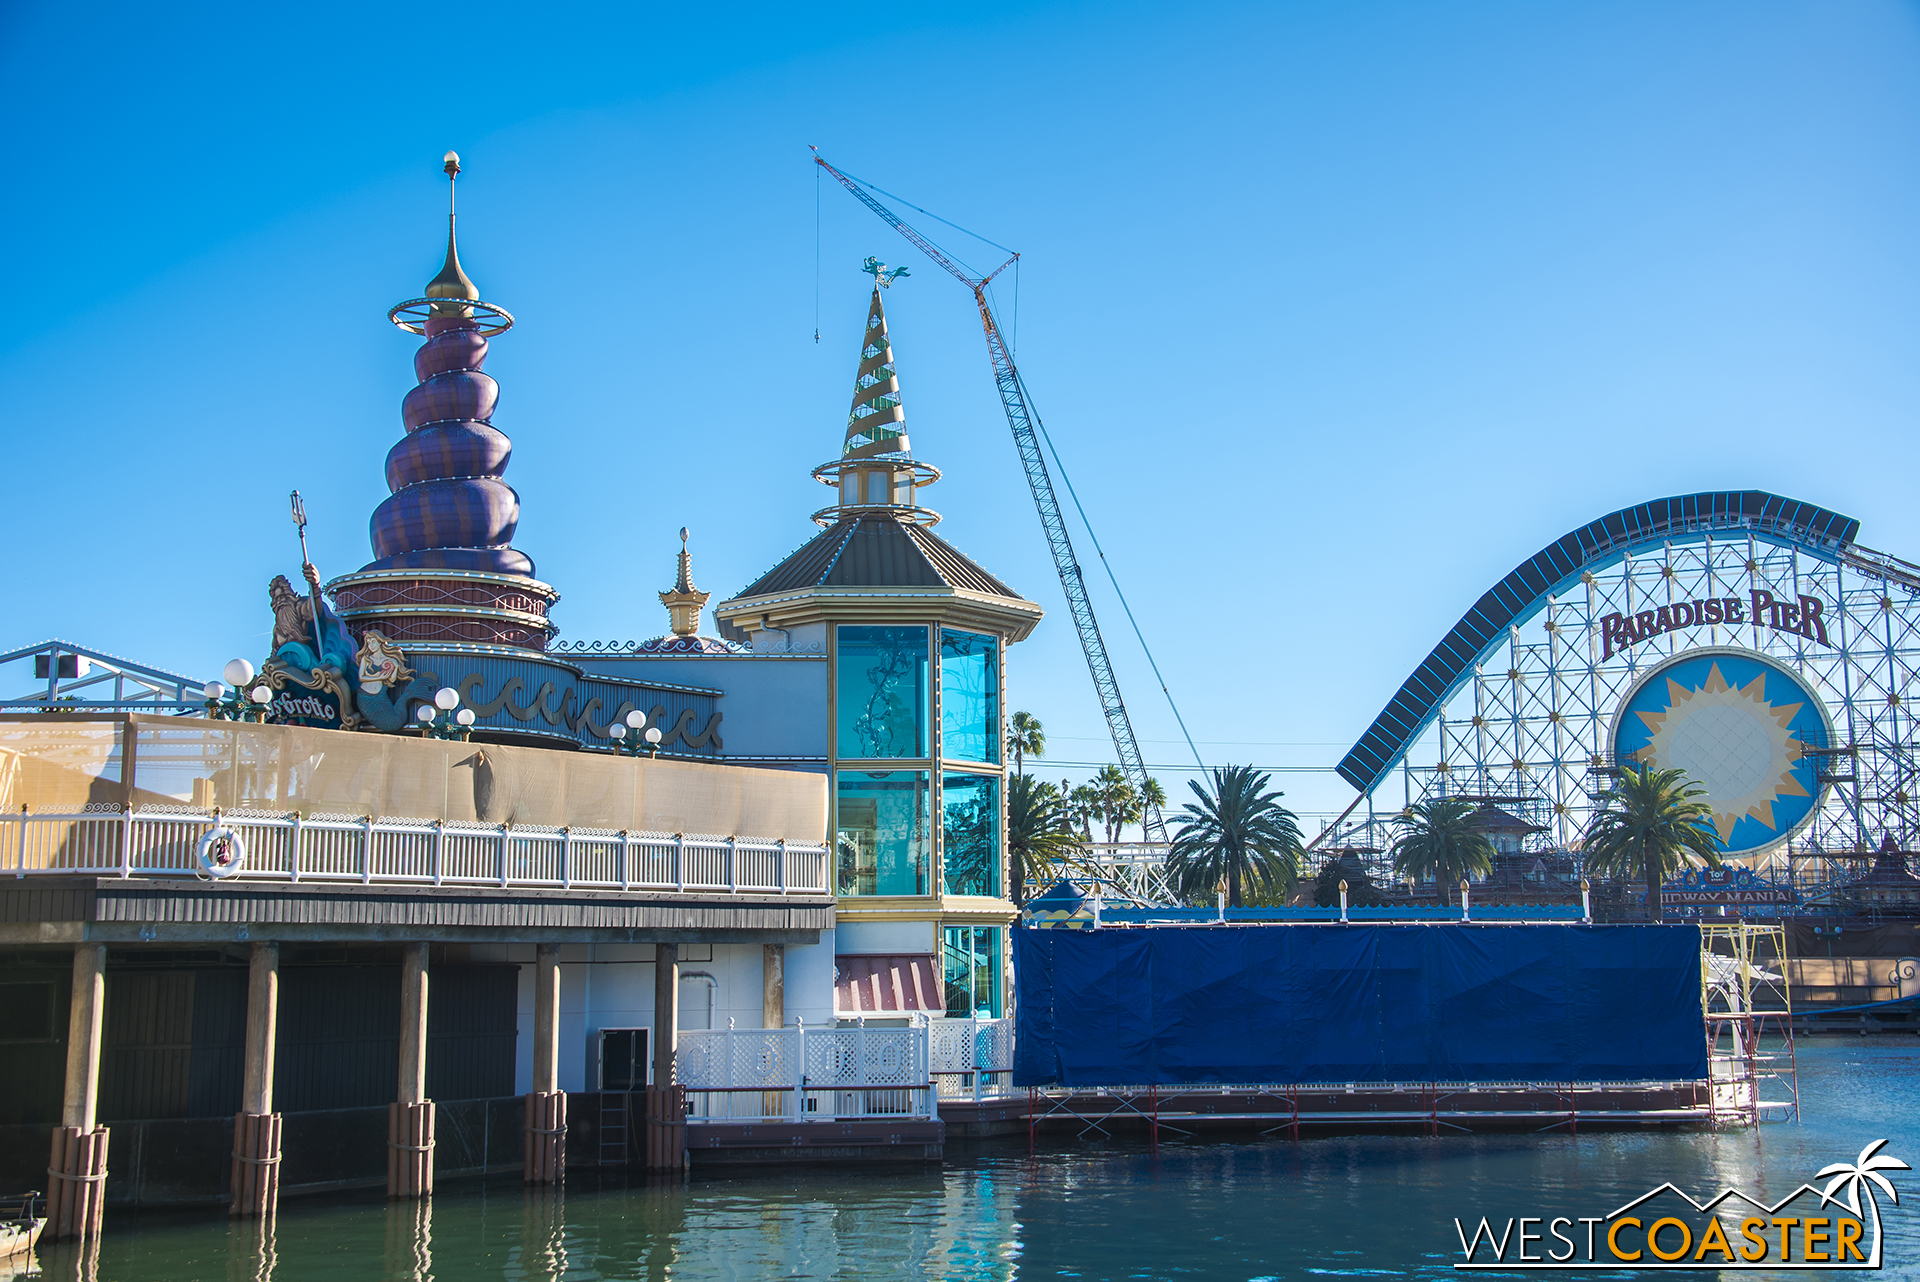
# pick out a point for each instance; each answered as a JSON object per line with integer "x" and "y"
{"x": 969, "y": 696}
{"x": 970, "y": 832}
{"x": 884, "y": 832}
{"x": 972, "y": 971}
{"x": 882, "y": 706}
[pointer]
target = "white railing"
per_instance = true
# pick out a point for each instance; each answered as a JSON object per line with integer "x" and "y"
{"x": 163, "y": 842}
{"x": 972, "y": 1058}
{"x": 801, "y": 1074}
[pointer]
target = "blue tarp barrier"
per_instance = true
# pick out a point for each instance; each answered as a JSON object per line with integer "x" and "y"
{"x": 1284, "y": 1004}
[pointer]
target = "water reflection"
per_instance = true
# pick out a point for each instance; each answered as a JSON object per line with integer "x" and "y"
{"x": 1272, "y": 1208}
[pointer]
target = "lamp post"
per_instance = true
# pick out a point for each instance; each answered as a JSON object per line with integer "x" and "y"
{"x": 230, "y": 704}
{"x": 444, "y": 718}
{"x": 1586, "y": 901}
{"x": 1465, "y": 911}
{"x": 1343, "y": 901}
{"x": 629, "y": 735}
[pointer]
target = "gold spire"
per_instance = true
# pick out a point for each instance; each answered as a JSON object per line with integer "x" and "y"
{"x": 684, "y": 601}
{"x": 452, "y": 282}
{"x": 877, "y": 422}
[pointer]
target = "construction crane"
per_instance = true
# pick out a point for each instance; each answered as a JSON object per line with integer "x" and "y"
{"x": 1026, "y": 439}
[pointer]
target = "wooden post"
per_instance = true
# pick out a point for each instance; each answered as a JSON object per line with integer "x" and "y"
{"x": 256, "y": 1128}
{"x": 77, "y": 1164}
{"x": 773, "y": 985}
{"x": 666, "y": 1103}
{"x": 546, "y": 1115}
{"x": 410, "y": 1120}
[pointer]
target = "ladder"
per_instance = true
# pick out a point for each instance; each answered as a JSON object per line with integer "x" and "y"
{"x": 615, "y": 1111}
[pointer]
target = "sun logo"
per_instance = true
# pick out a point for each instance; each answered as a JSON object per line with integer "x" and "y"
{"x": 1732, "y": 742}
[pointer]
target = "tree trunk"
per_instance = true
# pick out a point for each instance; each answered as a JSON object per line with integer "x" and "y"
{"x": 1233, "y": 883}
{"x": 1653, "y": 885}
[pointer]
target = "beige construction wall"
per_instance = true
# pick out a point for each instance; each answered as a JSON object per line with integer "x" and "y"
{"x": 59, "y": 764}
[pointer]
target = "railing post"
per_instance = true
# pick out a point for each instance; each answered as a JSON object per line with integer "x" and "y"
{"x": 439, "y": 847}
{"x": 566, "y": 856}
{"x": 799, "y": 1068}
{"x": 680, "y": 861}
{"x": 126, "y": 839}
{"x": 733, "y": 864}
{"x": 780, "y": 864}
{"x": 626, "y": 861}
{"x": 366, "y": 850}
{"x": 20, "y": 846}
{"x": 505, "y": 842}
{"x": 293, "y": 856}
{"x": 860, "y": 1064}
{"x": 976, "y": 1055}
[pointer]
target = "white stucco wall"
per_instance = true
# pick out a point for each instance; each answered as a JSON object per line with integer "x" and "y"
{"x": 611, "y": 986}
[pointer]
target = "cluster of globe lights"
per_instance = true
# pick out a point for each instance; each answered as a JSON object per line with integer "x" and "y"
{"x": 637, "y": 723}
{"x": 446, "y": 699}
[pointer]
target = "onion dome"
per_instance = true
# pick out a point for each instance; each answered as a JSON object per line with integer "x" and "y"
{"x": 449, "y": 508}
{"x": 445, "y": 568}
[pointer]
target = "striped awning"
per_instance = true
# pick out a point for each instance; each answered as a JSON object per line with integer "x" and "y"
{"x": 879, "y": 983}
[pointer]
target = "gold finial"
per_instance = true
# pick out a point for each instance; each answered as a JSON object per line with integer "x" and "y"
{"x": 684, "y": 601}
{"x": 451, "y": 282}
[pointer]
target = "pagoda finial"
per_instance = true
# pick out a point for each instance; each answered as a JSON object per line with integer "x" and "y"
{"x": 451, "y": 282}
{"x": 877, "y": 422}
{"x": 684, "y": 601}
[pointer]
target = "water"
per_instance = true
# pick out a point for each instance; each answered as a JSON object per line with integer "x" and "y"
{"x": 1360, "y": 1206}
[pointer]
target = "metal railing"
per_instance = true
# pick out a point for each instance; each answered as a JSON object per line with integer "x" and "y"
{"x": 164, "y": 841}
{"x": 801, "y": 1074}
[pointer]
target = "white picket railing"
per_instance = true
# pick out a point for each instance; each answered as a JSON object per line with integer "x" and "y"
{"x": 162, "y": 841}
{"x": 972, "y": 1058}
{"x": 801, "y": 1074}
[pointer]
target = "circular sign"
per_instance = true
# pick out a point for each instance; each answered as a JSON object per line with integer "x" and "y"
{"x": 1740, "y": 725}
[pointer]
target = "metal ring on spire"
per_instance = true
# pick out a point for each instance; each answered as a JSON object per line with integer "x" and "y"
{"x": 413, "y": 314}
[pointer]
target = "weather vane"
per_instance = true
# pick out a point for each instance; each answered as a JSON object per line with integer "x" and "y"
{"x": 882, "y": 274}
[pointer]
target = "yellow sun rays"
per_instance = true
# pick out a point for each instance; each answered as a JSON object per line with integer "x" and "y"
{"x": 1776, "y": 779}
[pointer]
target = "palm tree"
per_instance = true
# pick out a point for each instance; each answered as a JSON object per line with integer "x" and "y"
{"x": 1239, "y": 832}
{"x": 1437, "y": 840}
{"x": 1651, "y": 825}
{"x": 1025, "y": 739}
{"x": 1116, "y": 801}
{"x": 1040, "y": 834}
{"x": 1152, "y": 796}
{"x": 1863, "y": 1173}
{"x": 1082, "y": 805}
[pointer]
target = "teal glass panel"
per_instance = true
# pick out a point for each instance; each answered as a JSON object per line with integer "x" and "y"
{"x": 972, "y": 971}
{"x": 970, "y": 833}
{"x": 969, "y": 696}
{"x": 884, "y": 841}
{"x": 883, "y": 695}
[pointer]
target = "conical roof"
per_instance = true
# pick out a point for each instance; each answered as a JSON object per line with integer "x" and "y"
{"x": 877, "y": 423}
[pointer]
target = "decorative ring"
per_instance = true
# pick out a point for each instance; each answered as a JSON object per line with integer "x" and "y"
{"x": 412, "y": 315}
{"x": 221, "y": 852}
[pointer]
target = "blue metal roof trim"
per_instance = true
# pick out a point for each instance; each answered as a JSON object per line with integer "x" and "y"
{"x": 1443, "y": 670}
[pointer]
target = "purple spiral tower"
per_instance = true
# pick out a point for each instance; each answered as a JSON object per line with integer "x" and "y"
{"x": 445, "y": 568}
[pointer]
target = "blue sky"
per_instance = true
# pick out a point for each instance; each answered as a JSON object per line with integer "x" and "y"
{"x": 1336, "y": 311}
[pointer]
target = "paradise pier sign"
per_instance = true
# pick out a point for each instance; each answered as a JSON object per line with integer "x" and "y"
{"x": 1802, "y": 615}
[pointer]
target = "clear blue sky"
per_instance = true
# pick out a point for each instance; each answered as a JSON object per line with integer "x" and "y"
{"x": 1337, "y": 311}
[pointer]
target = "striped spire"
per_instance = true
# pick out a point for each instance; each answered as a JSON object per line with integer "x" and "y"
{"x": 877, "y": 423}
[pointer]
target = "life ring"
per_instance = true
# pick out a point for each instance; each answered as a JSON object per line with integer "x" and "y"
{"x": 221, "y": 852}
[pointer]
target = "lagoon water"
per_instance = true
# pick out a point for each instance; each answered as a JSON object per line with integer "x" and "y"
{"x": 1353, "y": 1205}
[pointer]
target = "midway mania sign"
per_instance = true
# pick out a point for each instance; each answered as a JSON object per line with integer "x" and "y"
{"x": 1836, "y": 1227}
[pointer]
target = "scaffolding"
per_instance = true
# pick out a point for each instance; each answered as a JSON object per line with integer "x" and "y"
{"x": 1739, "y": 997}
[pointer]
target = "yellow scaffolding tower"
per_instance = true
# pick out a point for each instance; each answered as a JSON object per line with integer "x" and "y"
{"x": 1740, "y": 995}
